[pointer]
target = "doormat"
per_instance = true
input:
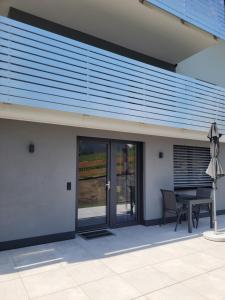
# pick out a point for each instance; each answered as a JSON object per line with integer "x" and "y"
{"x": 88, "y": 235}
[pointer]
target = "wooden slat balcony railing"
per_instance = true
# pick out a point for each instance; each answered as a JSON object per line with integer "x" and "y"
{"x": 44, "y": 70}
{"x": 208, "y": 15}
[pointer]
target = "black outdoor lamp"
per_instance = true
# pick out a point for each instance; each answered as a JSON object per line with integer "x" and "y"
{"x": 160, "y": 154}
{"x": 31, "y": 148}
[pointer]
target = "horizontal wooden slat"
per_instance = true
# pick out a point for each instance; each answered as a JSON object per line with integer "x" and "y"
{"x": 115, "y": 100}
{"x": 87, "y": 111}
{"x": 142, "y": 111}
{"x": 108, "y": 80}
{"x": 54, "y": 72}
{"x": 141, "y": 86}
{"x": 104, "y": 55}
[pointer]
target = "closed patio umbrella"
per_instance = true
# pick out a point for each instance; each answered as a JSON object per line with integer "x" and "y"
{"x": 215, "y": 171}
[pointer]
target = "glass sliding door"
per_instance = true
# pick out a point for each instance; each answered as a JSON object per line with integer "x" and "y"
{"x": 126, "y": 182}
{"x": 107, "y": 183}
{"x": 92, "y": 185}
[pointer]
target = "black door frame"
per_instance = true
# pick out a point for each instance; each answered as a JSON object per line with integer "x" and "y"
{"x": 110, "y": 209}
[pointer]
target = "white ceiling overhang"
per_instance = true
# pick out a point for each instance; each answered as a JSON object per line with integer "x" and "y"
{"x": 128, "y": 23}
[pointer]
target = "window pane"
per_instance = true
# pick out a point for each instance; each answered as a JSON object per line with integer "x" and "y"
{"x": 126, "y": 185}
{"x": 92, "y": 183}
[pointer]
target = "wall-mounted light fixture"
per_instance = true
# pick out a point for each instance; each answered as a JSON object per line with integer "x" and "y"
{"x": 31, "y": 148}
{"x": 160, "y": 154}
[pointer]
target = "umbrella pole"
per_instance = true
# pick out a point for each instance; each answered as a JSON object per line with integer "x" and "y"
{"x": 214, "y": 207}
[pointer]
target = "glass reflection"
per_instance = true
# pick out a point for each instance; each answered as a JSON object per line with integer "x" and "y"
{"x": 92, "y": 183}
{"x": 126, "y": 182}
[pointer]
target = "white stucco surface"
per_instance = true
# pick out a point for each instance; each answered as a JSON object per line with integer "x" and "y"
{"x": 33, "y": 196}
{"x": 207, "y": 65}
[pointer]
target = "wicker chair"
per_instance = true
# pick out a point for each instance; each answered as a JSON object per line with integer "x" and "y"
{"x": 202, "y": 193}
{"x": 173, "y": 208}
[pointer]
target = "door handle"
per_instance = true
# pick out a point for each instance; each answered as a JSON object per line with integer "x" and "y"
{"x": 108, "y": 185}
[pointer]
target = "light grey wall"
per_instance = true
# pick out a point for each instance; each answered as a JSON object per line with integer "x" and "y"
{"x": 33, "y": 196}
{"x": 159, "y": 173}
{"x": 207, "y": 65}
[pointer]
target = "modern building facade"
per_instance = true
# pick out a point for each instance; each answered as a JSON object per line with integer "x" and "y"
{"x": 102, "y": 104}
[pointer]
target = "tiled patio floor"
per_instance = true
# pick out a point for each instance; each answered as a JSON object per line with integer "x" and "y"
{"x": 145, "y": 263}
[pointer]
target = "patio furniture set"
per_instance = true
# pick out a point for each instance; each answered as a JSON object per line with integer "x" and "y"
{"x": 187, "y": 206}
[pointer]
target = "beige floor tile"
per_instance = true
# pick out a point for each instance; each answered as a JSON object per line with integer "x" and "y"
{"x": 153, "y": 255}
{"x": 219, "y": 273}
{"x": 218, "y": 251}
{"x": 54, "y": 271}
{"x": 147, "y": 279}
{"x": 207, "y": 285}
{"x": 88, "y": 271}
{"x": 32, "y": 270}
{"x": 203, "y": 261}
{"x": 32, "y": 261}
{"x": 47, "y": 282}
{"x": 73, "y": 253}
{"x": 8, "y": 272}
{"x": 177, "y": 291}
{"x": 70, "y": 294}
{"x": 124, "y": 262}
{"x": 198, "y": 243}
{"x": 35, "y": 258}
{"x": 13, "y": 290}
{"x": 111, "y": 288}
{"x": 178, "y": 269}
{"x": 177, "y": 248}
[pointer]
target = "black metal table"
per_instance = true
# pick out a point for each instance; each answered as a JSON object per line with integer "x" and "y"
{"x": 190, "y": 200}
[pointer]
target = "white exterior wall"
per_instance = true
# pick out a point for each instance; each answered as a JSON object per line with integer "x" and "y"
{"x": 33, "y": 196}
{"x": 207, "y": 65}
{"x": 159, "y": 173}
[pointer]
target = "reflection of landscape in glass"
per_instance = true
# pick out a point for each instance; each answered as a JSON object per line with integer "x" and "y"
{"x": 125, "y": 168}
{"x": 92, "y": 183}
{"x": 92, "y": 174}
{"x": 92, "y": 165}
{"x": 126, "y": 182}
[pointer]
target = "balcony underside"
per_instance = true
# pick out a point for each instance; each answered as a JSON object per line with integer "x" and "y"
{"x": 42, "y": 70}
{"x": 47, "y": 116}
{"x": 127, "y": 23}
{"x": 205, "y": 14}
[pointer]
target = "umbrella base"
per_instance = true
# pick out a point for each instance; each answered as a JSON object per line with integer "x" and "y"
{"x": 218, "y": 236}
